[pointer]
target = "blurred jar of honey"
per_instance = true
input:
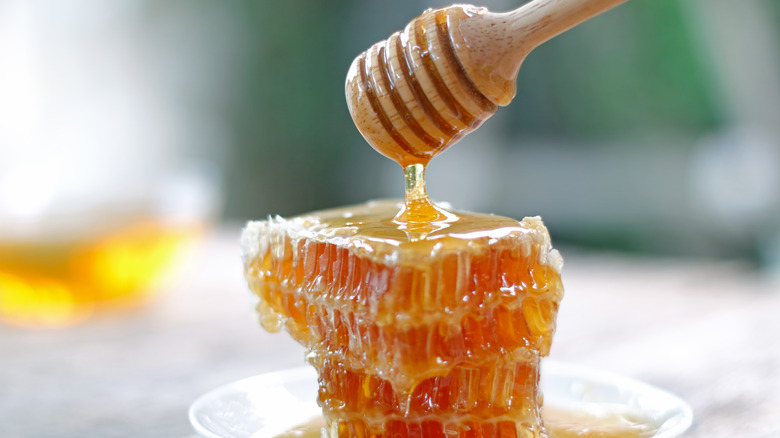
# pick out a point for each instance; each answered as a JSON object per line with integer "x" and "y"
{"x": 67, "y": 263}
{"x": 102, "y": 152}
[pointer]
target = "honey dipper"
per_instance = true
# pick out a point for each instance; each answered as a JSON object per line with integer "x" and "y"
{"x": 425, "y": 87}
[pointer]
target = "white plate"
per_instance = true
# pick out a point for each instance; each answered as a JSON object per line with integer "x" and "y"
{"x": 265, "y": 406}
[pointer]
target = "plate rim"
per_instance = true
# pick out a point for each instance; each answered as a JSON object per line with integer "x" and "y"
{"x": 210, "y": 394}
{"x": 548, "y": 366}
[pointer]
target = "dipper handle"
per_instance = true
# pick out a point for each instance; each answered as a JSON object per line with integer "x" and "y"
{"x": 492, "y": 46}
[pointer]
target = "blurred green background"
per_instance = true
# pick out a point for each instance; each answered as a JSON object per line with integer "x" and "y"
{"x": 653, "y": 128}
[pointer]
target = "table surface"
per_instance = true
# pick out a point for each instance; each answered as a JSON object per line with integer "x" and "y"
{"x": 703, "y": 330}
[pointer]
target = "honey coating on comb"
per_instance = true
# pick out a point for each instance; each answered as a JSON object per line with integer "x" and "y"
{"x": 442, "y": 334}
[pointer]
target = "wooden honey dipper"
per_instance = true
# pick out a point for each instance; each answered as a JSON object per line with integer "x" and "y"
{"x": 425, "y": 87}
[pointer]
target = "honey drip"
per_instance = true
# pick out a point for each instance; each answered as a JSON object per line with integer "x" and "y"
{"x": 419, "y": 216}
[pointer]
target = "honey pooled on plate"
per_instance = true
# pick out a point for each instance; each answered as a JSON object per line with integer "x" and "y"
{"x": 413, "y": 333}
{"x": 558, "y": 424}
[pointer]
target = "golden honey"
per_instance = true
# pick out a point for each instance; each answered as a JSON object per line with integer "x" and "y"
{"x": 64, "y": 280}
{"x": 426, "y": 330}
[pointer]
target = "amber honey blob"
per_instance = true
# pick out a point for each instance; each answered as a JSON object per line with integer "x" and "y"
{"x": 67, "y": 279}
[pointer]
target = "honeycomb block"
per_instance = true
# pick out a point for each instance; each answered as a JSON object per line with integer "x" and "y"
{"x": 429, "y": 333}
